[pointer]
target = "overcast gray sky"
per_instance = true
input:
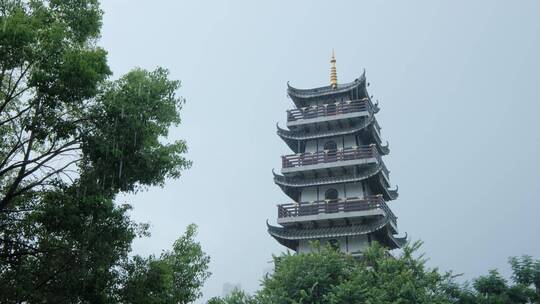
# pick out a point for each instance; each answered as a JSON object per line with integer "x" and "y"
{"x": 458, "y": 85}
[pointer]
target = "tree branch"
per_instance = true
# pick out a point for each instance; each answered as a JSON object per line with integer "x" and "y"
{"x": 10, "y": 119}
{"x": 11, "y": 90}
{"x": 40, "y": 182}
{"x": 8, "y": 196}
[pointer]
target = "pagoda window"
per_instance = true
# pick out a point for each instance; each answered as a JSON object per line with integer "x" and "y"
{"x": 331, "y": 194}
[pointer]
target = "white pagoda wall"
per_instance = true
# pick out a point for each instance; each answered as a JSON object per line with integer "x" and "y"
{"x": 350, "y": 244}
{"x": 348, "y": 190}
{"x": 309, "y": 194}
{"x": 317, "y": 145}
{"x": 321, "y": 102}
{"x": 355, "y": 190}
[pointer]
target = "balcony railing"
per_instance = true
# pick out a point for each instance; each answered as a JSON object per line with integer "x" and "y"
{"x": 328, "y": 110}
{"x": 321, "y": 157}
{"x": 334, "y": 206}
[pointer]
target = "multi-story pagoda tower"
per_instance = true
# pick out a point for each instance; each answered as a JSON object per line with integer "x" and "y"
{"x": 336, "y": 177}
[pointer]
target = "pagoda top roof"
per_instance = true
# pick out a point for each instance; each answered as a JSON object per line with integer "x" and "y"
{"x": 297, "y": 94}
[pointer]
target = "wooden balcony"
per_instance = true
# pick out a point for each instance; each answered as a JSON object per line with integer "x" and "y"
{"x": 329, "y": 113}
{"x": 336, "y": 208}
{"x": 328, "y": 110}
{"x": 328, "y": 157}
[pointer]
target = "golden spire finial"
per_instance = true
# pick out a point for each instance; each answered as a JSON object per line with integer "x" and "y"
{"x": 333, "y": 71}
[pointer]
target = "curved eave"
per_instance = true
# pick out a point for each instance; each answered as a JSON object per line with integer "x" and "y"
{"x": 288, "y": 134}
{"x": 275, "y": 233}
{"x": 376, "y": 108}
{"x": 390, "y": 195}
{"x": 281, "y": 180}
{"x": 382, "y": 187}
{"x": 291, "y": 187}
{"x": 290, "y": 236}
{"x": 299, "y": 96}
{"x": 384, "y": 149}
{"x": 393, "y": 193}
{"x": 387, "y": 239}
{"x": 398, "y": 241}
{"x": 292, "y": 138}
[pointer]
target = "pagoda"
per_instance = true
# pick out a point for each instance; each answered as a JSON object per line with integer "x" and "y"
{"x": 336, "y": 178}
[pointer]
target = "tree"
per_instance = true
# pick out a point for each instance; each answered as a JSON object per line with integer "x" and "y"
{"x": 382, "y": 278}
{"x": 175, "y": 277}
{"x": 237, "y": 296}
{"x": 71, "y": 140}
{"x": 65, "y": 250}
{"x": 59, "y": 116}
{"x": 306, "y": 277}
{"x": 332, "y": 277}
{"x": 329, "y": 276}
{"x": 109, "y": 162}
{"x": 50, "y": 73}
{"x": 493, "y": 288}
{"x": 526, "y": 272}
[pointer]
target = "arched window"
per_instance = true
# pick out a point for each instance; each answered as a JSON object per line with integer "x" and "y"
{"x": 331, "y": 194}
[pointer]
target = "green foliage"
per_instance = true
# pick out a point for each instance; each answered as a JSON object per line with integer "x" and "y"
{"x": 65, "y": 250}
{"x": 330, "y": 277}
{"x": 235, "y": 297}
{"x": 124, "y": 147}
{"x": 320, "y": 272}
{"x": 494, "y": 289}
{"x": 381, "y": 278}
{"x": 71, "y": 140}
{"x": 61, "y": 119}
{"x": 148, "y": 281}
{"x": 526, "y": 271}
{"x": 175, "y": 277}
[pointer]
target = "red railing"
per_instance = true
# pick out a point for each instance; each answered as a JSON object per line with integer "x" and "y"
{"x": 304, "y": 159}
{"x": 334, "y": 206}
{"x": 328, "y": 110}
